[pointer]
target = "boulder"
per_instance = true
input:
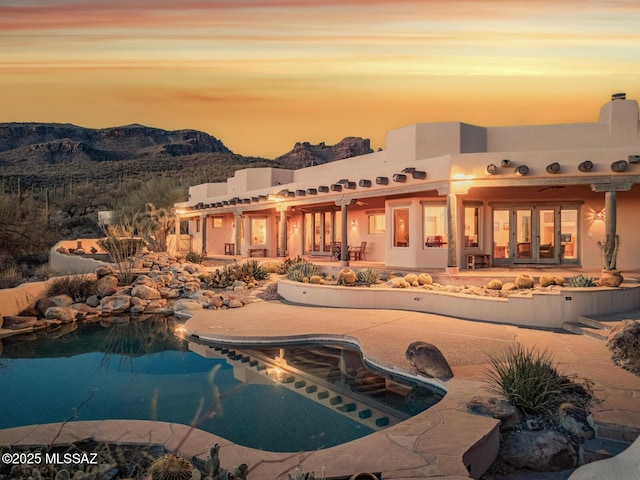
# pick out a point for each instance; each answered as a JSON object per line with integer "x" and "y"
{"x": 18, "y": 322}
{"x": 540, "y": 451}
{"x": 428, "y": 360}
{"x": 186, "y": 305}
{"x": 64, "y": 314}
{"x": 115, "y": 303}
{"x": 138, "y": 305}
{"x": 93, "y": 301}
{"x": 624, "y": 466}
{"x": 166, "y": 292}
{"x": 576, "y": 422}
{"x": 510, "y": 417}
{"x": 235, "y": 303}
{"x": 107, "y": 285}
{"x": 623, "y": 343}
{"x": 216, "y": 302}
{"x": 146, "y": 280}
{"x": 145, "y": 292}
{"x": 509, "y": 286}
{"x": 56, "y": 301}
{"x": 103, "y": 271}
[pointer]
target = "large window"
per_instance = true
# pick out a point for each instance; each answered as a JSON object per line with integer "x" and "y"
{"x": 216, "y": 222}
{"x": 259, "y": 231}
{"x": 376, "y": 223}
{"x": 400, "y": 227}
{"x": 435, "y": 226}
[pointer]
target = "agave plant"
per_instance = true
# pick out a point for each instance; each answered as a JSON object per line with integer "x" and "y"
{"x": 367, "y": 276}
{"x": 300, "y": 271}
{"x": 581, "y": 281}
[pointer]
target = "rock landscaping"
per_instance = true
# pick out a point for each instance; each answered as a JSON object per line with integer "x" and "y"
{"x": 162, "y": 285}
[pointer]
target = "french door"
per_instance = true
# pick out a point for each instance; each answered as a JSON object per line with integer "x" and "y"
{"x": 320, "y": 231}
{"x": 540, "y": 234}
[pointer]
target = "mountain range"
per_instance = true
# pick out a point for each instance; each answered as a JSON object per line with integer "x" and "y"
{"x": 41, "y": 154}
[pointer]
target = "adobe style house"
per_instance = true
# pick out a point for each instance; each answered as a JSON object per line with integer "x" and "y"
{"x": 441, "y": 195}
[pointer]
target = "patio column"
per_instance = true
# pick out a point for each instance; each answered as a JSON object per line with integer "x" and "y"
{"x": 452, "y": 234}
{"x": 238, "y": 239}
{"x": 610, "y": 208}
{"x": 282, "y": 233}
{"x": 203, "y": 222}
{"x": 344, "y": 236}
{"x": 176, "y": 234}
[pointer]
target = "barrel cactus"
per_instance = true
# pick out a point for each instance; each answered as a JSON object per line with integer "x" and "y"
{"x": 524, "y": 282}
{"x": 171, "y": 467}
{"x": 559, "y": 280}
{"x": 494, "y": 284}
{"x": 425, "y": 279}
{"x": 410, "y": 278}
{"x": 547, "y": 280}
{"x": 315, "y": 279}
{"x": 367, "y": 276}
{"x": 347, "y": 277}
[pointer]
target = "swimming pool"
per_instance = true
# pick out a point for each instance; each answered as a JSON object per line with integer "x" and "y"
{"x": 283, "y": 400}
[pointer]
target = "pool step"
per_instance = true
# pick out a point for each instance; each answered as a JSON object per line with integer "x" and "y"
{"x": 599, "y": 326}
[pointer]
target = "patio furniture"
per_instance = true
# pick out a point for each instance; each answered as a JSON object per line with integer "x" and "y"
{"x": 478, "y": 260}
{"x": 358, "y": 253}
{"x": 257, "y": 252}
{"x": 336, "y": 250}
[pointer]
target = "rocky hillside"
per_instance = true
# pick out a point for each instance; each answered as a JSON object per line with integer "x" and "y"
{"x": 56, "y": 143}
{"x": 306, "y": 155}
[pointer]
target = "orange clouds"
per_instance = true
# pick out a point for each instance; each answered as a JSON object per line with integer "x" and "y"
{"x": 281, "y": 71}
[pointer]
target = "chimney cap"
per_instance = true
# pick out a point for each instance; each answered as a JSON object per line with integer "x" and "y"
{"x": 619, "y": 96}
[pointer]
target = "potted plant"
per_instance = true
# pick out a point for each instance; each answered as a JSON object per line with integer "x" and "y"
{"x": 611, "y": 277}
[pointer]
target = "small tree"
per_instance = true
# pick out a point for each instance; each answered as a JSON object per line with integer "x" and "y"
{"x": 154, "y": 225}
{"x": 123, "y": 246}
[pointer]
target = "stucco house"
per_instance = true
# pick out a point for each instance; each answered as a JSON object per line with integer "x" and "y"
{"x": 441, "y": 195}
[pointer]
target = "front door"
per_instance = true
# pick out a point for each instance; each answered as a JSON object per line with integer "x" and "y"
{"x": 320, "y": 231}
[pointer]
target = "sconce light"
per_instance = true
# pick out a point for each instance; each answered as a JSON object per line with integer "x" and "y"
{"x": 522, "y": 170}
{"x": 506, "y": 162}
{"x": 354, "y": 223}
{"x": 492, "y": 169}
{"x": 600, "y": 215}
{"x": 295, "y": 225}
{"x": 586, "y": 166}
{"x": 553, "y": 167}
{"x": 619, "y": 166}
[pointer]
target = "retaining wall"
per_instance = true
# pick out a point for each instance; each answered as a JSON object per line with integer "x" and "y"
{"x": 60, "y": 263}
{"x": 538, "y": 309}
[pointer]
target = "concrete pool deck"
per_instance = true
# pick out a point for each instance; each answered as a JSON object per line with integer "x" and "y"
{"x": 443, "y": 442}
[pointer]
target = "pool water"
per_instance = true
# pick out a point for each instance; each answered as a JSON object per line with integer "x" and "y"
{"x": 143, "y": 371}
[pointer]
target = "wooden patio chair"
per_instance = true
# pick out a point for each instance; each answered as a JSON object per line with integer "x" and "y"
{"x": 358, "y": 253}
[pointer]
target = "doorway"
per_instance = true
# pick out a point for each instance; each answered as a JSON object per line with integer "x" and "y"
{"x": 320, "y": 231}
{"x": 535, "y": 234}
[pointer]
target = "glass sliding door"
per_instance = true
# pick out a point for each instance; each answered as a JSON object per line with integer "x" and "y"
{"x": 537, "y": 234}
{"x": 319, "y": 231}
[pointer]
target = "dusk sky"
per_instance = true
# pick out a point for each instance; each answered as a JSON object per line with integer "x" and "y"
{"x": 263, "y": 74}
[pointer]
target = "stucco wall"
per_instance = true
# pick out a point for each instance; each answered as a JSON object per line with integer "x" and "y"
{"x": 545, "y": 310}
{"x": 15, "y": 300}
{"x": 60, "y": 263}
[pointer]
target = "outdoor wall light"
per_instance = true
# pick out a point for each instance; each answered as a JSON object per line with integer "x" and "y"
{"x": 599, "y": 215}
{"x": 492, "y": 169}
{"x": 506, "y": 162}
{"x": 364, "y": 183}
{"x": 553, "y": 167}
{"x": 400, "y": 178}
{"x": 312, "y": 191}
{"x": 586, "y": 166}
{"x": 419, "y": 174}
{"x": 323, "y": 188}
{"x": 354, "y": 223}
{"x": 382, "y": 180}
{"x": 619, "y": 166}
{"x": 336, "y": 187}
{"x": 522, "y": 170}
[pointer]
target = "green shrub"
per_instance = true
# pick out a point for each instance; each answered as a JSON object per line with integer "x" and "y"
{"x": 10, "y": 277}
{"x": 253, "y": 269}
{"x": 581, "y": 281}
{"x": 300, "y": 271}
{"x": 367, "y": 276}
{"x": 530, "y": 381}
{"x": 284, "y": 267}
{"x": 194, "y": 257}
{"x": 78, "y": 287}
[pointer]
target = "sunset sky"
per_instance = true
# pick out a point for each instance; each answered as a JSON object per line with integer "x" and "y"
{"x": 263, "y": 74}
